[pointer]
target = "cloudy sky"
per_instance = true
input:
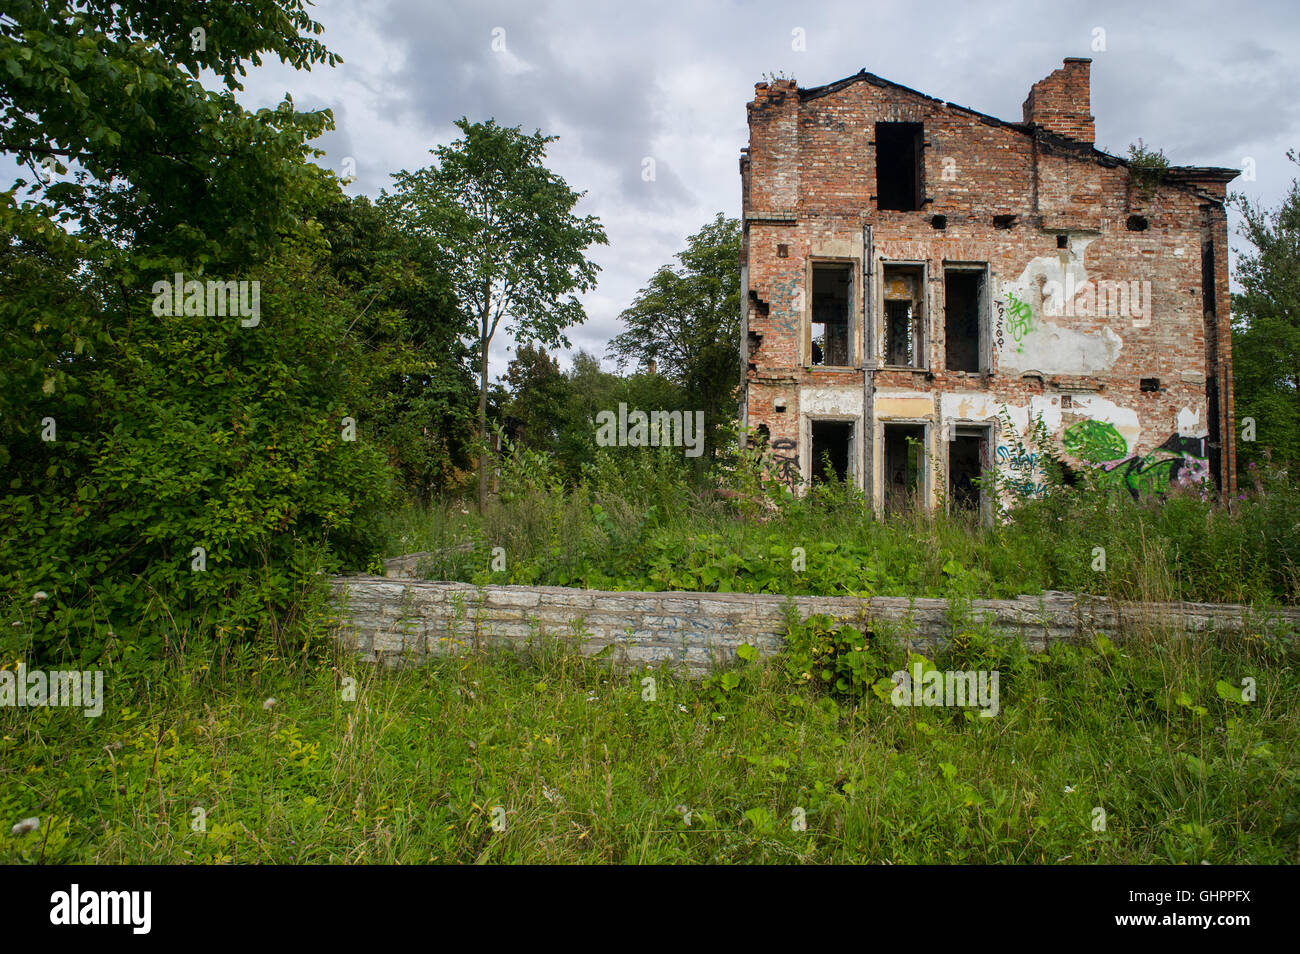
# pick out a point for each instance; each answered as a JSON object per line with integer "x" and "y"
{"x": 1209, "y": 83}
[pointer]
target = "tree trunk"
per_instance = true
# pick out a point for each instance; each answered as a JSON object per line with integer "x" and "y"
{"x": 482, "y": 429}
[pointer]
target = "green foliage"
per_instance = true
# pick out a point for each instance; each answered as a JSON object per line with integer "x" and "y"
{"x": 420, "y": 397}
{"x": 503, "y": 225}
{"x": 1266, "y": 330}
{"x": 588, "y": 771}
{"x": 835, "y": 657}
{"x": 687, "y": 321}
{"x": 656, "y": 532}
{"x": 1148, "y": 166}
{"x": 130, "y": 437}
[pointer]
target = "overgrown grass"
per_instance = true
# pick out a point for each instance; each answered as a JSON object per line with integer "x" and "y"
{"x": 640, "y": 525}
{"x": 586, "y": 768}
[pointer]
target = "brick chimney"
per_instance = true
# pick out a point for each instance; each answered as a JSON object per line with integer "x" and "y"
{"x": 1061, "y": 103}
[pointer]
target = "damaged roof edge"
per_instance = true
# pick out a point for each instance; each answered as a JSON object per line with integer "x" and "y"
{"x": 1082, "y": 149}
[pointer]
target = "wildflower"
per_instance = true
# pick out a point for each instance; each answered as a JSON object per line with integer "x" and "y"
{"x": 40, "y": 597}
{"x": 269, "y": 703}
{"x": 682, "y": 707}
{"x": 1069, "y": 789}
{"x": 26, "y": 825}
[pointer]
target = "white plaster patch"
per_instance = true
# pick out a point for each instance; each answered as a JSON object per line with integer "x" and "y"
{"x": 831, "y": 400}
{"x": 1044, "y": 346}
{"x": 1189, "y": 423}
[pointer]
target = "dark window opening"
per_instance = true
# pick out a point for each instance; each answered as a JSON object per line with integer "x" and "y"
{"x": 1067, "y": 400}
{"x": 1207, "y": 278}
{"x": 783, "y": 251}
{"x": 899, "y": 163}
{"x": 831, "y": 441}
{"x": 1063, "y": 241}
{"x": 1149, "y": 384}
{"x": 831, "y": 307}
{"x": 1004, "y": 221}
{"x": 963, "y": 292}
{"x": 764, "y": 435}
{"x": 967, "y": 453}
{"x": 904, "y": 458}
{"x": 1137, "y": 223}
{"x": 939, "y": 222}
{"x": 904, "y": 325}
{"x": 1212, "y": 442}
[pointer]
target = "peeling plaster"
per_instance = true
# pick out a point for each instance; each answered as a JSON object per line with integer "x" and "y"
{"x": 1047, "y": 347}
{"x": 815, "y": 401}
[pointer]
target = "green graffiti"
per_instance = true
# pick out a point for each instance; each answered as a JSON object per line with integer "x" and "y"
{"x": 1178, "y": 462}
{"x": 1021, "y": 318}
{"x": 1095, "y": 441}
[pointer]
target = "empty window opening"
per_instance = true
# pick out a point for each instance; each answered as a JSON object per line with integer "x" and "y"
{"x": 939, "y": 222}
{"x": 904, "y": 460}
{"x": 782, "y": 251}
{"x": 904, "y": 324}
{"x": 967, "y": 458}
{"x": 1063, "y": 241}
{"x": 831, "y": 309}
{"x": 1137, "y": 223}
{"x": 899, "y": 163}
{"x": 1004, "y": 221}
{"x": 963, "y": 294}
{"x": 831, "y": 443}
{"x": 1149, "y": 384}
{"x": 1207, "y": 278}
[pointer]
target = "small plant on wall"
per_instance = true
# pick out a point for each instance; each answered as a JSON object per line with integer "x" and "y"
{"x": 1147, "y": 167}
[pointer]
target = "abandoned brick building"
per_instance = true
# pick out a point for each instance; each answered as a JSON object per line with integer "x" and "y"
{"x": 923, "y": 282}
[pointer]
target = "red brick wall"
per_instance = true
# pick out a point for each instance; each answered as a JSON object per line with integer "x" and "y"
{"x": 809, "y": 184}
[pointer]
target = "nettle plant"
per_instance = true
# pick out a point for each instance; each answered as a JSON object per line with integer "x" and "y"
{"x": 840, "y": 658}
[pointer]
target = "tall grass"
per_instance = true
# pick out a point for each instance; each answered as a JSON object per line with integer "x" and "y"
{"x": 193, "y": 762}
{"x": 606, "y": 530}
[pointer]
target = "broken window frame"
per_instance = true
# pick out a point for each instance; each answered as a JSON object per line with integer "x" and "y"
{"x": 854, "y": 451}
{"x": 920, "y": 323}
{"x": 984, "y": 316}
{"x": 988, "y": 433}
{"x": 852, "y": 266}
{"x": 880, "y": 492}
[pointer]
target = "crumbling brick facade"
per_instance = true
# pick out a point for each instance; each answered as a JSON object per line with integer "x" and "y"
{"x": 922, "y": 282}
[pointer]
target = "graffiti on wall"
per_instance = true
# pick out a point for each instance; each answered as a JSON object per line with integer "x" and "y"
{"x": 786, "y": 454}
{"x": 1178, "y": 462}
{"x": 786, "y": 312}
{"x": 1020, "y": 319}
{"x": 1095, "y": 442}
{"x": 1014, "y": 317}
{"x": 1025, "y": 477}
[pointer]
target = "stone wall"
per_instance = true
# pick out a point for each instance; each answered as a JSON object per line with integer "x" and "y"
{"x": 396, "y": 621}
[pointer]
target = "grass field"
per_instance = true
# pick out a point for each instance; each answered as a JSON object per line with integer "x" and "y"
{"x": 1098, "y": 754}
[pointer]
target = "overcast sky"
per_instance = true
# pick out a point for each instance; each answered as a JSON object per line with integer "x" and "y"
{"x": 1209, "y": 83}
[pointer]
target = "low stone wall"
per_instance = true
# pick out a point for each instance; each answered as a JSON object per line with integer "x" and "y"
{"x": 406, "y": 620}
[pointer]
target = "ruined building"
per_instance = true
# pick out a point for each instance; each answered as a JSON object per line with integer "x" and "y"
{"x": 922, "y": 282}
